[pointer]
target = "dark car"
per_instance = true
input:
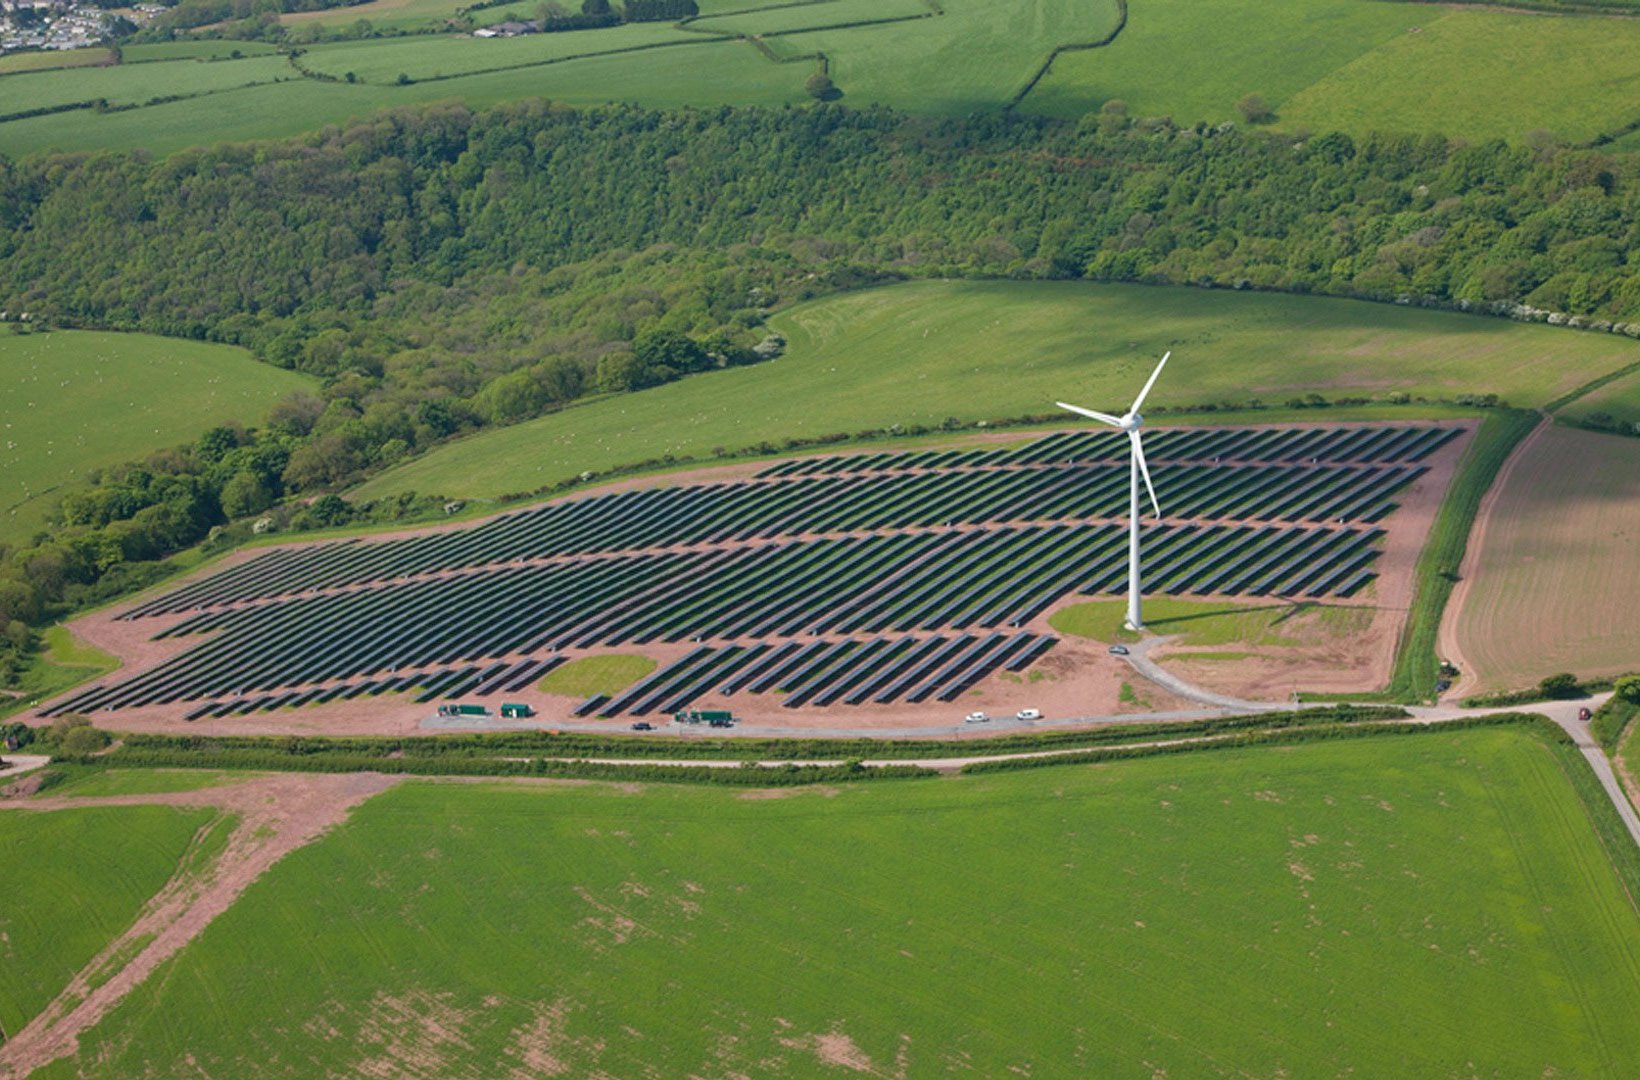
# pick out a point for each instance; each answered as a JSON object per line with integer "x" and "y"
{"x": 643, "y": 725}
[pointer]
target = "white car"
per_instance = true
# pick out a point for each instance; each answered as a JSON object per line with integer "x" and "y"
{"x": 976, "y": 718}
{"x": 1028, "y": 714}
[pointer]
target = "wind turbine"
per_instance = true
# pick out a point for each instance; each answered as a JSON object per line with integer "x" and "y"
{"x": 1131, "y": 422}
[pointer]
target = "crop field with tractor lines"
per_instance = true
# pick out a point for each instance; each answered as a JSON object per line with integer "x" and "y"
{"x": 864, "y": 579}
{"x": 1553, "y": 572}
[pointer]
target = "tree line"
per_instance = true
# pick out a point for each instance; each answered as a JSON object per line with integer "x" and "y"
{"x": 441, "y": 269}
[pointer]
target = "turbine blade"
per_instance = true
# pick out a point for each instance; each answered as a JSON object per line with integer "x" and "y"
{"x": 1104, "y": 418}
{"x": 1140, "y": 400}
{"x": 1144, "y": 470}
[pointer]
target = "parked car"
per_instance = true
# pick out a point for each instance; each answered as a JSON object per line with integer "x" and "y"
{"x": 1118, "y": 650}
{"x": 1584, "y": 713}
{"x": 976, "y": 718}
{"x": 643, "y": 725}
{"x": 1028, "y": 714}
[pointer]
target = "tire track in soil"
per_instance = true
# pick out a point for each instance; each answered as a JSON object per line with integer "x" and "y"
{"x": 277, "y": 815}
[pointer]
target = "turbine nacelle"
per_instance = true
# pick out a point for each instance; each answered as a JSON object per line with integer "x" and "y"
{"x": 1131, "y": 422}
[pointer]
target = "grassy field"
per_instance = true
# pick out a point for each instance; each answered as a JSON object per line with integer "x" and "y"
{"x": 126, "y": 84}
{"x": 1557, "y": 575}
{"x": 1270, "y": 47}
{"x": 49, "y": 61}
{"x": 702, "y": 74}
{"x": 1619, "y": 399}
{"x": 1342, "y": 63}
{"x": 812, "y": 16}
{"x": 75, "y": 879}
{"x": 1433, "y": 905}
{"x": 1361, "y": 67}
{"x": 75, "y": 400}
{"x": 196, "y": 50}
{"x": 596, "y": 675}
{"x": 91, "y": 782}
{"x": 64, "y": 661}
{"x": 382, "y": 60}
{"x": 1484, "y": 74}
{"x": 1211, "y": 622}
{"x": 922, "y": 352}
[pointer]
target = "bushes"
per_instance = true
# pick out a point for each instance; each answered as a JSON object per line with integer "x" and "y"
{"x": 308, "y": 759}
{"x": 1277, "y": 737}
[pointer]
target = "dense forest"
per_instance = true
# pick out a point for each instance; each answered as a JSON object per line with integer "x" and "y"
{"x": 443, "y": 269}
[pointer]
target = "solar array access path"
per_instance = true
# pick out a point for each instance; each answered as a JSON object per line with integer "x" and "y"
{"x": 836, "y": 581}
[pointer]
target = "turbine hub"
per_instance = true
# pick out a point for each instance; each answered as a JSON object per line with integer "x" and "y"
{"x": 1132, "y": 422}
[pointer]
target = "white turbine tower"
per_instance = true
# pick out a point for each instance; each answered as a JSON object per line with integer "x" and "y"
{"x": 1131, "y": 422}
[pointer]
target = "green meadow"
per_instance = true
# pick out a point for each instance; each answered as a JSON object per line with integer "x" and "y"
{"x": 384, "y": 59}
{"x": 48, "y": 61}
{"x": 1484, "y": 74}
{"x": 1350, "y": 65}
{"x": 128, "y": 84}
{"x": 76, "y": 400}
{"x": 1430, "y": 905}
{"x": 979, "y": 350}
{"x": 590, "y": 675}
{"x": 1270, "y": 47}
{"x": 707, "y": 73}
{"x": 73, "y": 881}
{"x": 1619, "y": 399}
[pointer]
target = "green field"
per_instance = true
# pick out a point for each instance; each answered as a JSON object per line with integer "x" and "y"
{"x": 384, "y": 59}
{"x": 127, "y": 84}
{"x": 696, "y": 74}
{"x": 48, "y": 61}
{"x": 1420, "y": 906}
{"x": 1485, "y": 75}
{"x": 1619, "y": 399}
{"x": 921, "y": 352}
{"x": 1270, "y": 47}
{"x": 811, "y": 16}
{"x": 1346, "y": 64}
{"x": 590, "y": 675}
{"x": 76, "y": 400}
{"x": 73, "y": 881}
{"x": 97, "y": 782}
{"x": 203, "y": 49}
{"x": 1211, "y": 622}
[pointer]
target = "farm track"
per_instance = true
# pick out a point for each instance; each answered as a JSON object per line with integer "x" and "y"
{"x": 276, "y": 814}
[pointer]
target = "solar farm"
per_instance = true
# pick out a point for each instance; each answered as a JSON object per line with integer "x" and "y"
{"x": 846, "y": 584}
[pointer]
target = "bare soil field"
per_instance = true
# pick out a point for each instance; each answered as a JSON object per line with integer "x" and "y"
{"x": 1553, "y": 568}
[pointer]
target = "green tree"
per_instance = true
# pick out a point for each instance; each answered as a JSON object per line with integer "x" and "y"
{"x": 1562, "y": 685}
{"x": 246, "y": 493}
{"x": 820, "y": 87}
{"x": 1255, "y": 110}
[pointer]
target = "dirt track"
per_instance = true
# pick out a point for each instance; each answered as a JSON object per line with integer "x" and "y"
{"x": 276, "y": 815}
